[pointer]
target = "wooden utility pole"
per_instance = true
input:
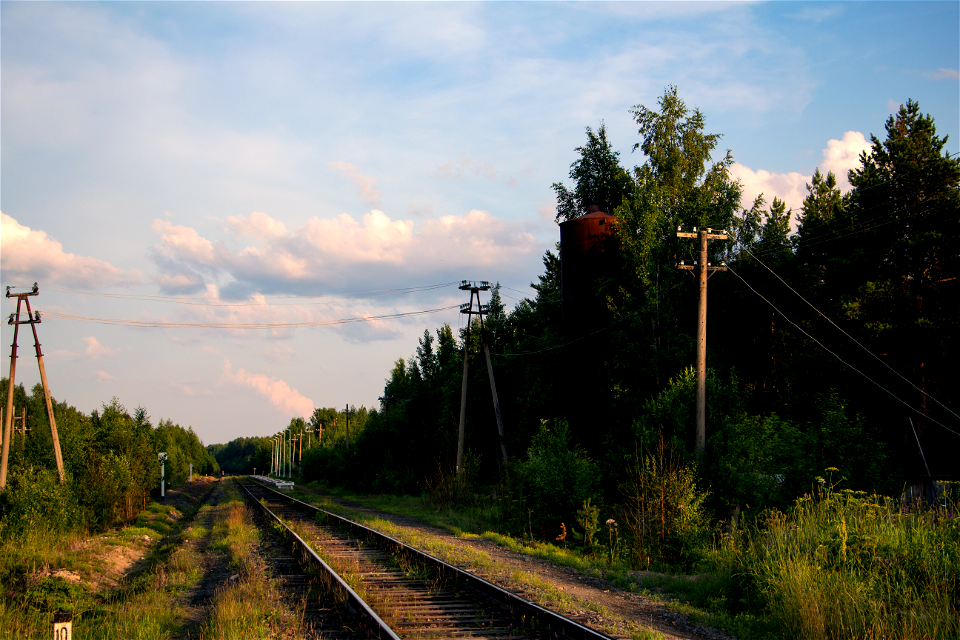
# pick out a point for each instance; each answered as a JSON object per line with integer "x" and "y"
{"x": 346, "y": 417}
{"x": 481, "y": 311}
{"x": 704, "y": 270}
{"x": 33, "y": 319}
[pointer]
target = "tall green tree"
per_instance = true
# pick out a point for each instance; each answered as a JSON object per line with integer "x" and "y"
{"x": 597, "y": 176}
{"x": 904, "y": 230}
{"x": 678, "y": 185}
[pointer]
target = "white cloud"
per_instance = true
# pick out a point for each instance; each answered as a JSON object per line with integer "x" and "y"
{"x": 286, "y": 399}
{"x": 61, "y": 354}
{"x": 103, "y": 376}
{"x": 258, "y": 225}
{"x": 455, "y": 168}
{"x": 179, "y": 283}
{"x": 379, "y": 239}
{"x": 548, "y": 210}
{"x": 279, "y": 352}
{"x": 29, "y": 255}
{"x": 789, "y": 187}
{"x": 187, "y": 390}
{"x": 95, "y": 350}
{"x": 426, "y": 211}
{"x": 842, "y": 155}
{"x": 366, "y": 186}
{"x": 323, "y": 250}
{"x": 944, "y": 74}
{"x": 184, "y": 243}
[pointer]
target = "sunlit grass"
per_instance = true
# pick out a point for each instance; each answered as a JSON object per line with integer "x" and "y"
{"x": 841, "y": 565}
{"x": 249, "y": 605}
{"x": 844, "y": 564}
{"x": 143, "y": 606}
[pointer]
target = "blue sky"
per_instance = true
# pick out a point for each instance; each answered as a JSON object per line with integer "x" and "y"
{"x": 245, "y": 152}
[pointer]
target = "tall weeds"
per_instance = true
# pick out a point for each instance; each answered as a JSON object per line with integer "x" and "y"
{"x": 843, "y": 564}
{"x": 663, "y": 515}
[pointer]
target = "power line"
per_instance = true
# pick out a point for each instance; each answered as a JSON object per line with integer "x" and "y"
{"x": 859, "y": 344}
{"x": 804, "y": 332}
{"x": 626, "y": 317}
{"x": 825, "y": 233}
{"x": 197, "y": 301}
{"x": 156, "y": 324}
{"x": 882, "y": 183}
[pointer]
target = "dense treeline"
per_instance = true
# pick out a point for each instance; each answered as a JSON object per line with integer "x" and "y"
{"x": 323, "y": 434}
{"x": 110, "y": 461}
{"x": 878, "y": 263}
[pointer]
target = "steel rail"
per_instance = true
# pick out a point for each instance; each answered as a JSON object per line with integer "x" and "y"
{"x": 369, "y": 620}
{"x": 516, "y": 605}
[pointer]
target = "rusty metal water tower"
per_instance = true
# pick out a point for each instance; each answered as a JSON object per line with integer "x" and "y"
{"x": 589, "y": 254}
{"x": 589, "y": 250}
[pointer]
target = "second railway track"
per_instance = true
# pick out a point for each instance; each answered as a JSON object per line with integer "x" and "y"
{"x": 401, "y": 592}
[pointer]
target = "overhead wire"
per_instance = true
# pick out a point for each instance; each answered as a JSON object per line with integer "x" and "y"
{"x": 626, "y": 317}
{"x": 242, "y": 325}
{"x": 804, "y": 332}
{"x": 858, "y": 343}
{"x": 827, "y": 231}
{"x": 300, "y": 300}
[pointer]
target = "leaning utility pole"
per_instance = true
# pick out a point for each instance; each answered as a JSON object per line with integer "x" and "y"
{"x": 33, "y": 319}
{"x": 703, "y": 268}
{"x": 467, "y": 309}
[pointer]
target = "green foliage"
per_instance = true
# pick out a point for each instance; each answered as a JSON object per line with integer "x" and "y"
{"x": 664, "y": 513}
{"x": 110, "y": 461}
{"x": 598, "y": 178}
{"x": 243, "y": 455}
{"x": 588, "y": 518}
{"x": 51, "y": 593}
{"x": 876, "y": 262}
{"x": 35, "y": 501}
{"x": 846, "y": 564}
{"x": 557, "y": 476}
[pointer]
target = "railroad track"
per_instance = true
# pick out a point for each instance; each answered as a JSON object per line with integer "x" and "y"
{"x": 396, "y": 591}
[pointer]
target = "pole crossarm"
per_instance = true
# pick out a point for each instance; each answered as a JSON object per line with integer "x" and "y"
{"x": 704, "y": 271}
{"x": 33, "y": 319}
{"x": 481, "y": 310}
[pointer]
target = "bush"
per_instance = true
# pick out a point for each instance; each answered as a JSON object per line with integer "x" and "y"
{"x": 664, "y": 516}
{"x": 35, "y": 502}
{"x": 557, "y": 477}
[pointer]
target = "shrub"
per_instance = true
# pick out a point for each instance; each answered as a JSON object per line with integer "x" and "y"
{"x": 36, "y": 502}
{"x": 664, "y": 516}
{"x": 557, "y": 477}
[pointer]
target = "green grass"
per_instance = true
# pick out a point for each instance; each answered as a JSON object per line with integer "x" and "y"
{"x": 143, "y": 606}
{"x": 845, "y": 564}
{"x": 249, "y": 606}
{"x": 838, "y": 565}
